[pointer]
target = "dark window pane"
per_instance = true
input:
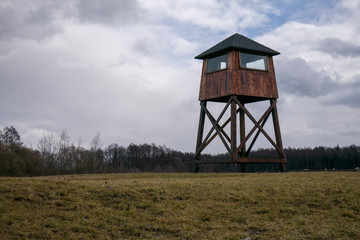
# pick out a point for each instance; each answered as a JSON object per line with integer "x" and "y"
{"x": 217, "y": 63}
{"x": 253, "y": 61}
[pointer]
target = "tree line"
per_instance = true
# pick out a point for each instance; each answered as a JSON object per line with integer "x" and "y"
{"x": 57, "y": 155}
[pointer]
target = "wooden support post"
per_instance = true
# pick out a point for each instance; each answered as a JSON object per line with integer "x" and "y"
{"x": 242, "y": 131}
{"x": 282, "y": 167}
{"x": 233, "y": 129}
{"x": 200, "y": 134}
{"x": 278, "y": 139}
{"x": 243, "y": 167}
{"x": 242, "y": 137}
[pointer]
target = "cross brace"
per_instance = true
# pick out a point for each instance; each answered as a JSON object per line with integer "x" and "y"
{"x": 238, "y": 153}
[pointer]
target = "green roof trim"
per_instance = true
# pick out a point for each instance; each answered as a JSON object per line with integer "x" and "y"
{"x": 239, "y": 42}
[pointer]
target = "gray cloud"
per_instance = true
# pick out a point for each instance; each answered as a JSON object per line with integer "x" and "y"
{"x": 39, "y": 20}
{"x": 348, "y": 94}
{"x": 111, "y": 12}
{"x": 7, "y": 21}
{"x": 296, "y": 76}
{"x": 142, "y": 47}
{"x": 33, "y": 21}
{"x": 336, "y": 47}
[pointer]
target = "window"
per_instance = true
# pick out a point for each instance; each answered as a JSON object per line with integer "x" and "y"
{"x": 253, "y": 61}
{"x": 217, "y": 63}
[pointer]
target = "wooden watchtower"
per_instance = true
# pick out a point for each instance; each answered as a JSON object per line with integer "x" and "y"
{"x": 236, "y": 72}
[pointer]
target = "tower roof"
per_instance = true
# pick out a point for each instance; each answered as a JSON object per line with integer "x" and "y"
{"x": 240, "y": 42}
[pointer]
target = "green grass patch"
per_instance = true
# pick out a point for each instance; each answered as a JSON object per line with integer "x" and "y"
{"x": 321, "y": 205}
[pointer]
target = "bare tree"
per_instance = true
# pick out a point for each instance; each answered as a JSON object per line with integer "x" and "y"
{"x": 96, "y": 142}
{"x": 64, "y": 153}
{"x": 47, "y": 146}
{"x": 97, "y": 155}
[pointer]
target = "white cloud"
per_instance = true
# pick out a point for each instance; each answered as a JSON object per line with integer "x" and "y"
{"x": 318, "y": 78}
{"x": 127, "y": 70}
{"x": 215, "y": 15}
{"x": 90, "y": 78}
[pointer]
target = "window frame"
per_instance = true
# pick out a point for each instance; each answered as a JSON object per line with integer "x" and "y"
{"x": 255, "y": 69}
{"x": 222, "y": 69}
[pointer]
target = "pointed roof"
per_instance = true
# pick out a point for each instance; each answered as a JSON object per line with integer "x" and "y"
{"x": 240, "y": 42}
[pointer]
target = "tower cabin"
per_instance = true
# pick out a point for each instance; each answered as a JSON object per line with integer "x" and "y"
{"x": 238, "y": 71}
{"x": 238, "y": 66}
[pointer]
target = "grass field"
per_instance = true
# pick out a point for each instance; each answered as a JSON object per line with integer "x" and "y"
{"x": 321, "y": 205}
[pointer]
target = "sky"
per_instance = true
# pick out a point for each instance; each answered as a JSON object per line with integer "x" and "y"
{"x": 125, "y": 69}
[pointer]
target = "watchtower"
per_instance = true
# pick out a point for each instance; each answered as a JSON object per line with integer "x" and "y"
{"x": 236, "y": 72}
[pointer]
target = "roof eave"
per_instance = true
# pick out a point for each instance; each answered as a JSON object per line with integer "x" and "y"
{"x": 204, "y": 55}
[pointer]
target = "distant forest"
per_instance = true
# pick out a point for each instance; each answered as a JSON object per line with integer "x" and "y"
{"x": 56, "y": 155}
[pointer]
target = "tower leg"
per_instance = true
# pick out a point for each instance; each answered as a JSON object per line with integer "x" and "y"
{"x": 196, "y": 168}
{"x": 243, "y": 167}
{"x": 282, "y": 167}
{"x": 242, "y": 137}
{"x": 233, "y": 129}
{"x": 200, "y": 134}
{"x": 277, "y": 129}
{"x": 275, "y": 117}
{"x": 242, "y": 131}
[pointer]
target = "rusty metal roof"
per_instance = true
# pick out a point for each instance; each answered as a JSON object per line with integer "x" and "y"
{"x": 239, "y": 42}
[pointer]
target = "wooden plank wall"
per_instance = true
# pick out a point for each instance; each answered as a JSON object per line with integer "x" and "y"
{"x": 237, "y": 81}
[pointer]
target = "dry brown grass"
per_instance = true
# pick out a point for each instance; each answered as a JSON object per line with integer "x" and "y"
{"x": 322, "y": 205}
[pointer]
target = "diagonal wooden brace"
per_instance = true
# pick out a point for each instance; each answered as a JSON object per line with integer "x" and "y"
{"x": 214, "y": 127}
{"x": 252, "y": 130}
{"x": 257, "y": 125}
{"x": 215, "y": 134}
{"x": 217, "y": 128}
{"x": 256, "y": 136}
{"x": 221, "y": 127}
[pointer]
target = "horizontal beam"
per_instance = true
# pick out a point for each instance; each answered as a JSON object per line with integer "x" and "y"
{"x": 259, "y": 160}
{"x": 242, "y": 160}
{"x": 213, "y": 161}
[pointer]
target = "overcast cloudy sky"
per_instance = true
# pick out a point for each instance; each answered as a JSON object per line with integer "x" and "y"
{"x": 126, "y": 68}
